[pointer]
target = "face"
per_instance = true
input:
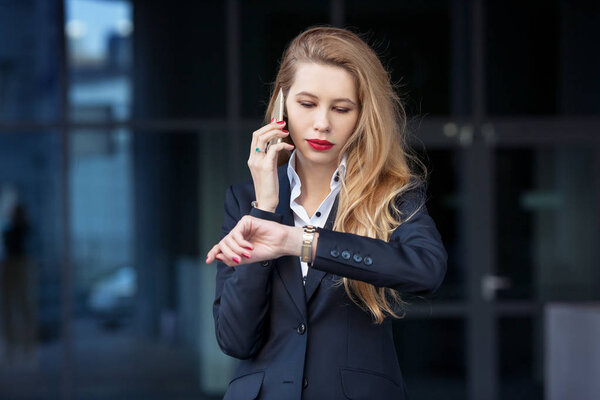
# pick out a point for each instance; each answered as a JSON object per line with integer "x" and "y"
{"x": 322, "y": 110}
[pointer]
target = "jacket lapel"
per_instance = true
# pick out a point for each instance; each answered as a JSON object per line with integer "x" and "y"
{"x": 315, "y": 276}
{"x": 288, "y": 267}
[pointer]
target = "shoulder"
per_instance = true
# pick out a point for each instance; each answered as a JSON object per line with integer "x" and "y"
{"x": 412, "y": 199}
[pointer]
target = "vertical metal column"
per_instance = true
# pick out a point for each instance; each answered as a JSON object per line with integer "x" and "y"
{"x": 479, "y": 220}
{"x": 66, "y": 381}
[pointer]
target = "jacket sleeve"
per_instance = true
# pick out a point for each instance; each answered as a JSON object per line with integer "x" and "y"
{"x": 242, "y": 295}
{"x": 413, "y": 261}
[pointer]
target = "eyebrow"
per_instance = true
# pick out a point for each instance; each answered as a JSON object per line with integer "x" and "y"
{"x": 316, "y": 97}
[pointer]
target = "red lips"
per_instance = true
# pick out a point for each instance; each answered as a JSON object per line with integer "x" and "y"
{"x": 319, "y": 141}
{"x": 320, "y": 145}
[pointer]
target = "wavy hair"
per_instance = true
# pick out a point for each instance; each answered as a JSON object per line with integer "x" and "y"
{"x": 380, "y": 167}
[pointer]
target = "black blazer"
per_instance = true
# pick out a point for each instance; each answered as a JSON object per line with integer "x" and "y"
{"x": 313, "y": 342}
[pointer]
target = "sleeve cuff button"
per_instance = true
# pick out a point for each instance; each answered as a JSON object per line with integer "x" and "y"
{"x": 346, "y": 255}
{"x": 368, "y": 261}
{"x": 357, "y": 258}
{"x": 334, "y": 253}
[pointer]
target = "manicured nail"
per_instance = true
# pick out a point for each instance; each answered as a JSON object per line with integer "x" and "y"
{"x": 281, "y": 122}
{"x": 248, "y": 247}
{"x": 246, "y": 255}
{"x": 237, "y": 259}
{"x": 272, "y": 119}
{"x": 284, "y": 131}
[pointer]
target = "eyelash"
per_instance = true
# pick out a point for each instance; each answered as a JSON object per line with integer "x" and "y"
{"x": 340, "y": 110}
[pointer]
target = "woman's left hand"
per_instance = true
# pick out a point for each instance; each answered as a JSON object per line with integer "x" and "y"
{"x": 255, "y": 239}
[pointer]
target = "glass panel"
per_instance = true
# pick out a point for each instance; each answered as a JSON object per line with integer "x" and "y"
{"x": 31, "y": 351}
{"x": 443, "y": 204}
{"x": 146, "y": 206}
{"x": 266, "y": 29}
{"x": 579, "y": 64}
{"x": 547, "y": 229}
{"x": 431, "y": 354}
{"x": 29, "y": 62}
{"x": 420, "y": 63}
{"x": 520, "y": 348}
{"x": 521, "y": 57}
{"x": 99, "y": 35}
{"x": 180, "y": 60}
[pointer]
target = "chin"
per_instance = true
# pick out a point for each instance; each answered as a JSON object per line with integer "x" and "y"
{"x": 318, "y": 157}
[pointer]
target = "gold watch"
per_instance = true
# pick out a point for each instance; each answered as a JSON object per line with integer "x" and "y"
{"x": 307, "y": 240}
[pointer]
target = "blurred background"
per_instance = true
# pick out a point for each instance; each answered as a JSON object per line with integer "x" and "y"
{"x": 122, "y": 123}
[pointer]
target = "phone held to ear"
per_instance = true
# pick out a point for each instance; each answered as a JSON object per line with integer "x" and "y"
{"x": 277, "y": 113}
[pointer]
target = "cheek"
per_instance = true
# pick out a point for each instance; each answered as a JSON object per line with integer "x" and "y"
{"x": 347, "y": 126}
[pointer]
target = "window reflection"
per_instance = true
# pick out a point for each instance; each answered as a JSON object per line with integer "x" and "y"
{"x": 29, "y": 62}
{"x": 547, "y": 223}
{"x": 30, "y": 264}
{"x": 99, "y": 35}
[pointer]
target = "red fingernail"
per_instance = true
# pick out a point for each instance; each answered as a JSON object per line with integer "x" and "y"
{"x": 246, "y": 255}
{"x": 236, "y": 259}
{"x": 248, "y": 247}
{"x": 281, "y": 122}
{"x": 284, "y": 131}
{"x": 272, "y": 119}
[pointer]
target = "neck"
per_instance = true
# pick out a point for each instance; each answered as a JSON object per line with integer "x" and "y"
{"x": 315, "y": 180}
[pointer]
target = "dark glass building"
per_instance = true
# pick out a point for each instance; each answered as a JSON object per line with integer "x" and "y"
{"x": 122, "y": 123}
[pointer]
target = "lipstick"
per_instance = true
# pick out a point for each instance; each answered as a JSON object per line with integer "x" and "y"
{"x": 320, "y": 145}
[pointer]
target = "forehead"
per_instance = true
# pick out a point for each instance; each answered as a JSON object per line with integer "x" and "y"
{"x": 324, "y": 81}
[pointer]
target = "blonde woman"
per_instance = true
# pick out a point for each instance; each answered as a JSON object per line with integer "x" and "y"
{"x": 316, "y": 253}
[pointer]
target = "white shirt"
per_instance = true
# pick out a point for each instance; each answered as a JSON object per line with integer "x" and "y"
{"x": 319, "y": 218}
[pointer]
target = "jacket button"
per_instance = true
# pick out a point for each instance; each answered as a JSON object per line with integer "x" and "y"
{"x": 368, "y": 260}
{"x": 301, "y": 329}
{"x": 334, "y": 253}
{"x": 304, "y": 383}
{"x": 357, "y": 258}
{"x": 346, "y": 255}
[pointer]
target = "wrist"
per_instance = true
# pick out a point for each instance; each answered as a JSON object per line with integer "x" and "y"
{"x": 293, "y": 241}
{"x": 264, "y": 206}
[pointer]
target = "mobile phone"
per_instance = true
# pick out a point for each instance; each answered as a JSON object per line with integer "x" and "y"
{"x": 277, "y": 113}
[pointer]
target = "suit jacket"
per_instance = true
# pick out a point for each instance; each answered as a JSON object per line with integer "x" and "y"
{"x": 312, "y": 341}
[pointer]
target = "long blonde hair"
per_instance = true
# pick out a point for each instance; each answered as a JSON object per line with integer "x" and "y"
{"x": 378, "y": 164}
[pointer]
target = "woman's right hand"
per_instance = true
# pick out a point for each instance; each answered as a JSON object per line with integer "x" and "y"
{"x": 263, "y": 166}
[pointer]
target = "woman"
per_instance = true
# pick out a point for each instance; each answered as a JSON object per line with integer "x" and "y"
{"x": 309, "y": 313}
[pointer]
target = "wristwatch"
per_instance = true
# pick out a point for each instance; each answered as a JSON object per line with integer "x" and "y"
{"x": 307, "y": 240}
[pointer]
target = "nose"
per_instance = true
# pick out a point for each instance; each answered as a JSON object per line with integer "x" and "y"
{"x": 321, "y": 122}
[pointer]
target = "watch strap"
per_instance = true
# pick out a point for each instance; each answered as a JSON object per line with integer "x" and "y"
{"x": 308, "y": 237}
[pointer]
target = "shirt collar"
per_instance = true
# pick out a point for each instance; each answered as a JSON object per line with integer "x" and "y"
{"x": 295, "y": 179}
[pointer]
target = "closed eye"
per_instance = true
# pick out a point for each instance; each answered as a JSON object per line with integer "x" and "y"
{"x": 340, "y": 110}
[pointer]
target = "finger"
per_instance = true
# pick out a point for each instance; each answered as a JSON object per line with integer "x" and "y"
{"x": 210, "y": 256}
{"x": 222, "y": 258}
{"x": 276, "y": 148}
{"x": 264, "y": 138}
{"x": 230, "y": 256}
{"x": 270, "y": 126}
{"x": 239, "y": 238}
{"x": 236, "y": 247}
